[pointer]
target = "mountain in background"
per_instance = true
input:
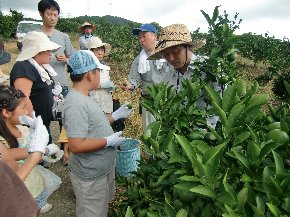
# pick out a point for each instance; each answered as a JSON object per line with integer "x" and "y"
{"x": 106, "y": 19}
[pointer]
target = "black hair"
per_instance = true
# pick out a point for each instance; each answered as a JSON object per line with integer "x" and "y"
{"x": 48, "y": 4}
{"x": 79, "y": 77}
{"x": 9, "y": 100}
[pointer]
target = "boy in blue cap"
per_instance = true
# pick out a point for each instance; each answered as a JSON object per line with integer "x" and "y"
{"x": 144, "y": 72}
{"x": 92, "y": 142}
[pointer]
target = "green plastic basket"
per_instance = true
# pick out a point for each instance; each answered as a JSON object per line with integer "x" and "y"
{"x": 127, "y": 159}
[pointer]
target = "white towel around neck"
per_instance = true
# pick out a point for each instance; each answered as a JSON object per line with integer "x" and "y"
{"x": 143, "y": 62}
{"x": 43, "y": 71}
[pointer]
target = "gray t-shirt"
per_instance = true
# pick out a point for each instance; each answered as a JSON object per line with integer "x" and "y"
{"x": 84, "y": 118}
{"x": 160, "y": 71}
{"x": 66, "y": 49}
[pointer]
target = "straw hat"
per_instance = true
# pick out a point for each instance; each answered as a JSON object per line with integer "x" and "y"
{"x": 96, "y": 42}
{"x": 173, "y": 35}
{"x": 87, "y": 24}
{"x": 34, "y": 43}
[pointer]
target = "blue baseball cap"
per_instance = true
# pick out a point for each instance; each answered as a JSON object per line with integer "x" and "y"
{"x": 147, "y": 27}
{"x": 83, "y": 61}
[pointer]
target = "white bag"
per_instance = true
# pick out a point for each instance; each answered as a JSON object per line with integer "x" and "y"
{"x": 52, "y": 182}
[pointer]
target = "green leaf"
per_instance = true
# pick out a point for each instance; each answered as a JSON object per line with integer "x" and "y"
{"x": 170, "y": 211}
{"x": 265, "y": 151}
{"x": 198, "y": 167}
{"x": 243, "y": 160}
{"x": 215, "y": 15}
{"x": 234, "y": 114}
{"x": 213, "y": 95}
{"x": 186, "y": 146}
{"x": 204, "y": 190}
{"x": 154, "y": 144}
{"x": 226, "y": 198}
{"x": 220, "y": 113}
{"x": 211, "y": 159}
{"x": 274, "y": 210}
{"x": 241, "y": 137}
{"x": 242, "y": 198}
{"x": 253, "y": 151}
{"x": 206, "y": 17}
{"x": 260, "y": 204}
{"x": 229, "y": 189}
{"x": 229, "y": 97}
{"x": 129, "y": 212}
{"x": 279, "y": 166}
{"x": 182, "y": 213}
{"x": 190, "y": 178}
{"x": 155, "y": 129}
{"x": 254, "y": 88}
{"x": 241, "y": 87}
{"x": 259, "y": 99}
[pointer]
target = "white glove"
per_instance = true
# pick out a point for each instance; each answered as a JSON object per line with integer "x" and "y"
{"x": 115, "y": 139}
{"x": 52, "y": 149}
{"x": 39, "y": 137}
{"x": 53, "y": 158}
{"x": 122, "y": 112}
{"x": 29, "y": 121}
{"x": 108, "y": 85}
{"x": 57, "y": 89}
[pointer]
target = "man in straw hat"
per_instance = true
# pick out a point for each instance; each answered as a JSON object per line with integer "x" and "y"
{"x": 87, "y": 29}
{"x": 143, "y": 72}
{"x": 176, "y": 46}
{"x": 5, "y": 57}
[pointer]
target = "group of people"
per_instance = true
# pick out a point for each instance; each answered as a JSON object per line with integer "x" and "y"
{"x": 39, "y": 85}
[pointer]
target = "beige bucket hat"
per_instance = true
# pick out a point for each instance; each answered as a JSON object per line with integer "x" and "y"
{"x": 173, "y": 35}
{"x": 96, "y": 42}
{"x": 87, "y": 24}
{"x": 34, "y": 43}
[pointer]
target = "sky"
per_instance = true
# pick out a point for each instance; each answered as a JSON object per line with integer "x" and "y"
{"x": 258, "y": 16}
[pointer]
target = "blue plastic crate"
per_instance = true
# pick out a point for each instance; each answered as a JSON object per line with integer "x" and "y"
{"x": 127, "y": 159}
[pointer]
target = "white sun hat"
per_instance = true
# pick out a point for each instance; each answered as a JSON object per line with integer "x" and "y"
{"x": 34, "y": 43}
{"x": 96, "y": 42}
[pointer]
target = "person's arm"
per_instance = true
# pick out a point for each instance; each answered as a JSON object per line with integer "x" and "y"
{"x": 80, "y": 145}
{"x": 134, "y": 77}
{"x": 25, "y": 85}
{"x": 19, "y": 153}
{"x": 23, "y": 170}
{"x": 110, "y": 118}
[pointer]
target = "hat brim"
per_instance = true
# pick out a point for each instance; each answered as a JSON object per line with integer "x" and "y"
{"x": 82, "y": 28}
{"x": 30, "y": 52}
{"x": 107, "y": 46}
{"x": 136, "y": 31}
{"x": 157, "y": 54}
{"x": 5, "y": 57}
